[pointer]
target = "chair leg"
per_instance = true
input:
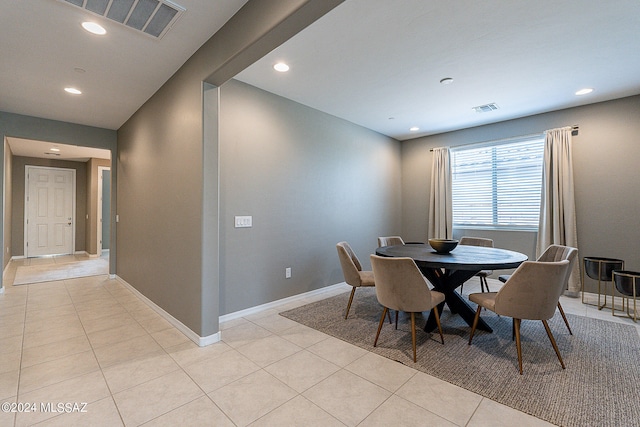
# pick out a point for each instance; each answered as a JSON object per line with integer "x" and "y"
{"x": 516, "y": 323}
{"x": 353, "y": 291}
{"x": 389, "y": 315}
{"x": 384, "y": 313}
{"x": 553, "y": 342}
{"x": 413, "y": 335}
{"x": 566, "y": 322}
{"x": 475, "y": 323}
{"x": 437, "y": 316}
{"x": 484, "y": 284}
{"x": 397, "y": 319}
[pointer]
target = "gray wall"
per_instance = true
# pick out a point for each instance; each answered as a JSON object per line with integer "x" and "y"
{"x": 17, "y": 213}
{"x": 20, "y": 126}
{"x": 309, "y": 180}
{"x": 606, "y": 158}
{"x": 167, "y": 232}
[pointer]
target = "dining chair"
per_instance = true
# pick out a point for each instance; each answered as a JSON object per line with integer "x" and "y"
{"x": 390, "y": 241}
{"x": 479, "y": 241}
{"x": 352, "y": 271}
{"x": 531, "y": 293}
{"x": 401, "y": 286}
{"x": 555, "y": 253}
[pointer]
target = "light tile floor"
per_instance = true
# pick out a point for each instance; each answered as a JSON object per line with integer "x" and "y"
{"x": 92, "y": 340}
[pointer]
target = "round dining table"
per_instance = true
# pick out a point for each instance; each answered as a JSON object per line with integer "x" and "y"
{"x": 447, "y": 272}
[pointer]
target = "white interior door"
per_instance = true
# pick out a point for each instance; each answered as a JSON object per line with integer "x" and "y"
{"x": 49, "y": 207}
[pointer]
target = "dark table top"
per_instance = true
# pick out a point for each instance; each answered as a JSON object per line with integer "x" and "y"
{"x": 463, "y": 257}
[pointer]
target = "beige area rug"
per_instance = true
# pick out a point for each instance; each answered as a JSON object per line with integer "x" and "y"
{"x": 600, "y": 387}
{"x": 51, "y": 272}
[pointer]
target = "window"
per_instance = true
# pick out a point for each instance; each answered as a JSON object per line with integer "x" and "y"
{"x": 497, "y": 185}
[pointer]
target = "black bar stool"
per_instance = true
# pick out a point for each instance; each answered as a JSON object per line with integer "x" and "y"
{"x": 628, "y": 284}
{"x": 600, "y": 269}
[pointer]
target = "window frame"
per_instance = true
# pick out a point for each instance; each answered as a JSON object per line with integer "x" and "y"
{"x": 533, "y": 144}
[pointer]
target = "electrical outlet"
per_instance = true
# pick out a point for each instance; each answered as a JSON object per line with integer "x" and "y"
{"x": 287, "y": 273}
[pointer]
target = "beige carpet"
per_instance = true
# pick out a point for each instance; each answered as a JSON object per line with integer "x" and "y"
{"x": 52, "y": 272}
{"x": 600, "y": 387}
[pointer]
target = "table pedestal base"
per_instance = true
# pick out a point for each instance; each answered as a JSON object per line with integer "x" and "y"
{"x": 447, "y": 281}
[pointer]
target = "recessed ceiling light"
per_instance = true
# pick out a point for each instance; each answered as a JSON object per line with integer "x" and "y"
{"x": 94, "y": 28}
{"x": 446, "y": 81}
{"x": 415, "y": 128}
{"x": 72, "y": 90}
{"x": 584, "y": 91}
{"x": 56, "y": 149}
{"x": 281, "y": 67}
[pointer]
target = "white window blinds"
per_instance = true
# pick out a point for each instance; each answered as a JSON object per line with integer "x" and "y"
{"x": 497, "y": 185}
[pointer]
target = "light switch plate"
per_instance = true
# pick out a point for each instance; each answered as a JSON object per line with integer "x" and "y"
{"x": 243, "y": 221}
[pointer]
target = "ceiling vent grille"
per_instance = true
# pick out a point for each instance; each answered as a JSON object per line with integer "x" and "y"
{"x": 152, "y": 17}
{"x": 486, "y": 108}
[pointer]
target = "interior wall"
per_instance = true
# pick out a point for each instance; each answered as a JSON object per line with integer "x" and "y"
{"x": 160, "y": 165}
{"x": 8, "y": 205}
{"x": 606, "y": 156}
{"x": 17, "y": 212}
{"x": 309, "y": 180}
{"x": 91, "y": 231}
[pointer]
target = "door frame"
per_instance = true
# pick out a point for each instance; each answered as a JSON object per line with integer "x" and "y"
{"x": 26, "y": 205}
{"x": 100, "y": 219}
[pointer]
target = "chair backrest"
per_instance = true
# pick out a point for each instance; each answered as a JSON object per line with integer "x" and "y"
{"x": 559, "y": 253}
{"x": 476, "y": 241}
{"x": 350, "y": 264}
{"x": 390, "y": 241}
{"x": 400, "y": 285}
{"x": 533, "y": 290}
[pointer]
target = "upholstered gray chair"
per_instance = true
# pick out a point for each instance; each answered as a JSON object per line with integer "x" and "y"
{"x": 352, "y": 271}
{"x": 400, "y": 286}
{"x": 479, "y": 241}
{"x": 532, "y": 293}
{"x": 555, "y": 253}
{"x": 390, "y": 241}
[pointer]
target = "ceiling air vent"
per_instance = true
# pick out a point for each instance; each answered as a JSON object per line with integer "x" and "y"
{"x": 486, "y": 108}
{"x": 152, "y": 17}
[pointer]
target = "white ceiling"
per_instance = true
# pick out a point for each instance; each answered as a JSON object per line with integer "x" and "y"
{"x": 42, "y": 42}
{"x": 376, "y": 63}
{"x": 41, "y": 149}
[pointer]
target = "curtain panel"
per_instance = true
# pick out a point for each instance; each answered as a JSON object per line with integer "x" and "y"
{"x": 557, "y": 204}
{"x": 440, "y": 201}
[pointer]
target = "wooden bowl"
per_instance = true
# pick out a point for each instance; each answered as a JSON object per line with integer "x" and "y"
{"x": 443, "y": 246}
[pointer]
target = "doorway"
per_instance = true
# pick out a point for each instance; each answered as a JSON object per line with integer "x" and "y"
{"x": 50, "y": 198}
{"x": 104, "y": 209}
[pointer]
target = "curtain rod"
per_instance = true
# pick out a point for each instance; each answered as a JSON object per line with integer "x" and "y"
{"x": 574, "y": 132}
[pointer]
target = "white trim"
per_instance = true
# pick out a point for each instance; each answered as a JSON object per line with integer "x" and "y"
{"x": 214, "y": 338}
{"x": 17, "y": 257}
{"x": 201, "y": 341}
{"x": 273, "y": 304}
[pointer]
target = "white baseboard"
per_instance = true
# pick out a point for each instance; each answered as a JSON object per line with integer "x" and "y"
{"x": 214, "y": 338}
{"x": 200, "y": 341}
{"x": 18, "y": 257}
{"x": 273, "y": 304}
